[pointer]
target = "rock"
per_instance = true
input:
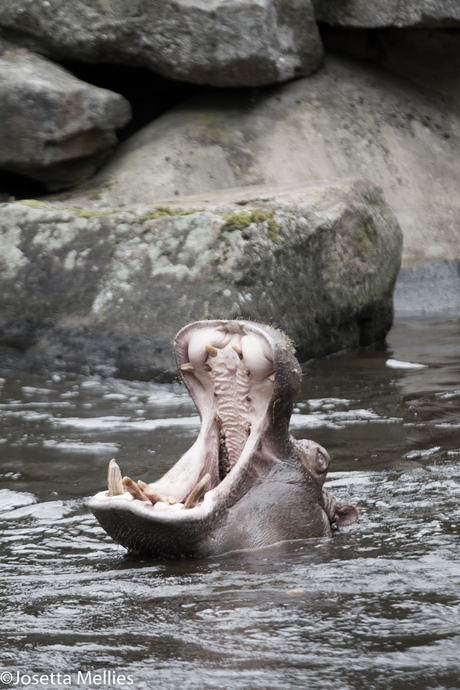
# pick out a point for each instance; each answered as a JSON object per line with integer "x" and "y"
{"x": 218, "y": 42}
{"x": 380, "y": 13}
{"x": 55, "y": 128}
{"x": 347, "y": 120}
{"x": 429, "y": 57}
{"x": 106, "y": 292}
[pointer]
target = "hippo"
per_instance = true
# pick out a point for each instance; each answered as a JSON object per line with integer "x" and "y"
{"x": 245, "y": 483}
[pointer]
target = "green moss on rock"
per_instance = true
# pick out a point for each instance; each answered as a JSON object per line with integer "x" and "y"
{"x": 34, "y": 203}
{"x": 161, "y": 211}
{"x": 89, "y": 213}
{"x": 273, "y": 233}
{"x": 240, "y": 221}
{"x": 365, "y": 237}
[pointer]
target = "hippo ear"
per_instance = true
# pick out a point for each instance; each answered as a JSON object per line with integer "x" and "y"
{"x": 339, "y": 514}
{"x": 345, "y": 514}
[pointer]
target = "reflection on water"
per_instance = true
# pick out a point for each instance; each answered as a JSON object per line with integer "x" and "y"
{"x": 379, "y": 604}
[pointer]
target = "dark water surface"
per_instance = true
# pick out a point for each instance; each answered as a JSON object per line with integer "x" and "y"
{"x": 380, "y": 603}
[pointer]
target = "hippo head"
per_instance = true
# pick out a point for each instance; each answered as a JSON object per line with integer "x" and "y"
{"x": 245, "y": 482}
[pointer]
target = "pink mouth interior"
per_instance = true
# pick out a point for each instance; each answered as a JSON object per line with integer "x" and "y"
{"x": 229, "y": 369}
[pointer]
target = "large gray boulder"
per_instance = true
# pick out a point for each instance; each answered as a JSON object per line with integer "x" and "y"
{"x": 349, "y": 119}
{"x": 106, "y": 292}
{"x": 380, "y": 13}
{"x": 218, "y": 42}
{"x": 53, "y": 127}
{"x": 429, "y": 57}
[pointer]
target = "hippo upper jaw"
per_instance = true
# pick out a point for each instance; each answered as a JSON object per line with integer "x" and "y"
{"x": 242, "y": 377}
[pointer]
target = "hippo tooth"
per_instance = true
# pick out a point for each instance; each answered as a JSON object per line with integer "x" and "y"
{"x": 135, "y": 491}
{"x": 172, "y": 501}
{"x": 271, "y": 377}
{"x": 238, "y": 351}
{"x": 114, "y": 479}
{"x": 206, "y": 367}
{"x": 150, "y": 493}
{"x": 247, "y": 427}
{"x": 197, "y": 492}
{"x": 186, "y": 367}
{"x": 247, "y": 372}
{"x": 212, "y": 350}
{"x": 217, "y": 419}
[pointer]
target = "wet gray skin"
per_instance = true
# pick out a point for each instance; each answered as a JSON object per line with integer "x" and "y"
{"x": 245, "y": 482}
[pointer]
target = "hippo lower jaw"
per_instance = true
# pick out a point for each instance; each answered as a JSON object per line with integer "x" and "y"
{"x": 242, "y": 377}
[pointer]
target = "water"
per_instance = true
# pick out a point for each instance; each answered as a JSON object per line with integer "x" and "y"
{"x": 376, "y": 606}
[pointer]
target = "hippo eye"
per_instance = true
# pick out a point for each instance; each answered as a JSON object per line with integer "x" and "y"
{"x": 321, "y": 461}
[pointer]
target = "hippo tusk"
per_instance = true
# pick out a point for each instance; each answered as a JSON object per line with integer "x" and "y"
{"x": 195, "y": 495}
{"x": 152, "y": 494}
{"x": 135, "y": 490}
{"x": 114, "y": 480}
{"x": 212, "y": 350}
{"x": 238, "y": 351}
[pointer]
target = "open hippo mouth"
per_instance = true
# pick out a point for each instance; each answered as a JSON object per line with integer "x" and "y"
{"x": 245, "y": 482}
